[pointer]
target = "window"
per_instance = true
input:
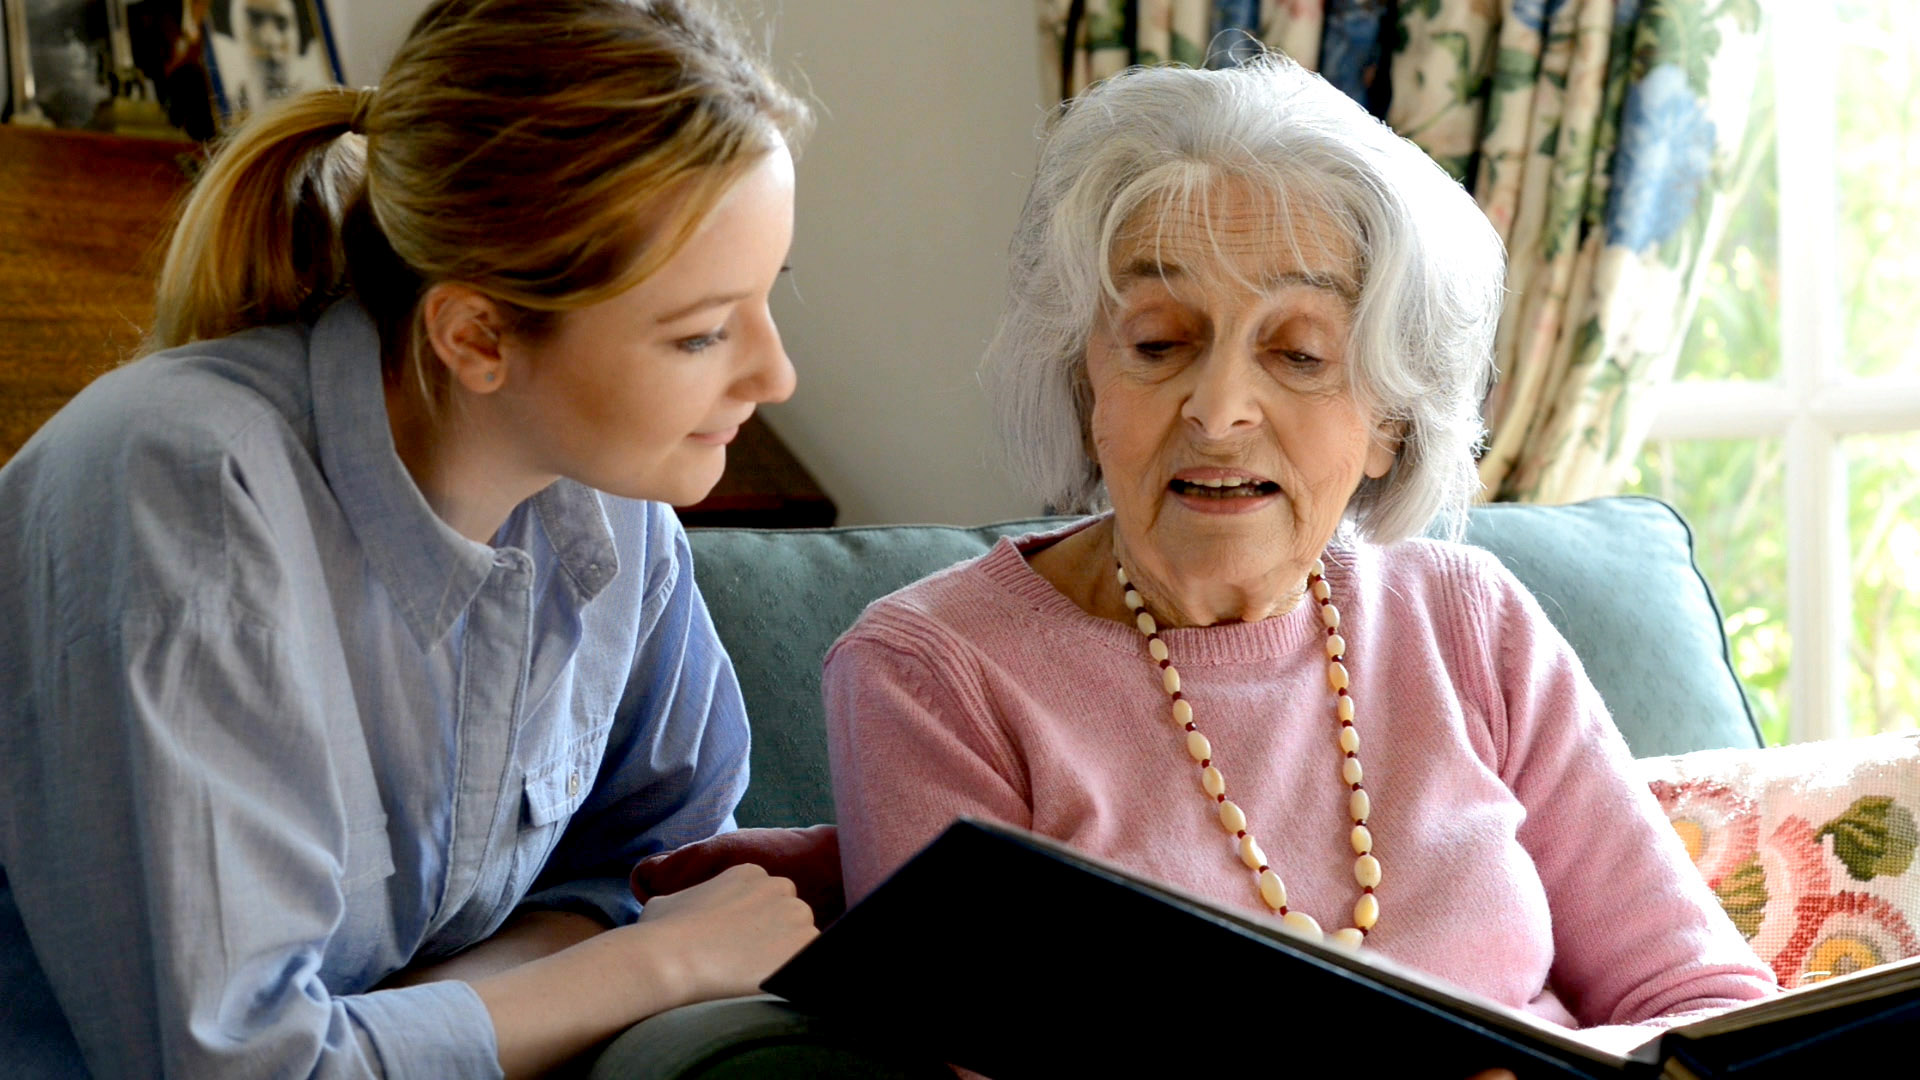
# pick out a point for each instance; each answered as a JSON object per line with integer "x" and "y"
{"x": 1790, "y": 437}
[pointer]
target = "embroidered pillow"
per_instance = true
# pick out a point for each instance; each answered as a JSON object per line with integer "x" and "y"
{"x": 1810, "y": 848}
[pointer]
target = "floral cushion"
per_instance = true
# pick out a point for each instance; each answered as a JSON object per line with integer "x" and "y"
{"x": 1810, "y": 848}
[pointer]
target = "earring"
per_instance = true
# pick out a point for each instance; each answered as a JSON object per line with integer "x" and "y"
{"x": 491, "y": 376}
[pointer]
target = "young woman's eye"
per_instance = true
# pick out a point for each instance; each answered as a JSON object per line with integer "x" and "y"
{"x": 702, "y": 342}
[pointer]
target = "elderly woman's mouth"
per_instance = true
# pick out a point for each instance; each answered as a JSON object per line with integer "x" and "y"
{"x": 1224, "y": 487}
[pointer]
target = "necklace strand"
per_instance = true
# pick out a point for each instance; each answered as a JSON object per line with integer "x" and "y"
{"x": 1273, "y": 892}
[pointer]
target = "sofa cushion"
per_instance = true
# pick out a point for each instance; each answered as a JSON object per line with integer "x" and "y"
{"x": 1616, "y": 576}
{"x": 1810, "y": 848}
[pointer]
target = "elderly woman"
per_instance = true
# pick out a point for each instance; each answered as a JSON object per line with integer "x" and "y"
{"x": 1256, "y": 324}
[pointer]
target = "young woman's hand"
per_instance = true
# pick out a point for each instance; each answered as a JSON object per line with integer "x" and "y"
{"x": 723, "y": 936}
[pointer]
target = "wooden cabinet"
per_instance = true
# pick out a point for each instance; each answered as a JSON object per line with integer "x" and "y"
{"x": 83, "y": 218}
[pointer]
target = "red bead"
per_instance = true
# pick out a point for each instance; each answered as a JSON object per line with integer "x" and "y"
{"x": 1362, "y": 929}
{"x": 1262, "y": 870}
{"x": 1331, "y": 631}
{"x": 1343, "y": 692}
{"x": 1190, "y": 726}
{"x": 1346, "y": 723}
{"x": 1351, "y": 753}
{"x": 1283, "y": 909}
{"x": 1164, "y": 664}
{"x": 1204, "y": 762}
{"x": 1366, "y": 888}
{"x": 1178, "y": 696}
{"x": 1222, "y": 797}
{"x": 1356, "y": 787}
{"x": 1241, "y": 834}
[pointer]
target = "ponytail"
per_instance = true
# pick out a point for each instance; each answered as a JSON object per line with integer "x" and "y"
{"x": 258, "y": 242}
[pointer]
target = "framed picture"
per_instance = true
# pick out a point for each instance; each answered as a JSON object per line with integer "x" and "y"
{"x": 66, "y": 51}
{"x": 6, "y": 63}
{"x": 259, "y": 50}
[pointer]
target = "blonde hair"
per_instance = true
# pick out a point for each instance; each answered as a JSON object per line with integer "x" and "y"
{"x": 548, "y": 153}
{"x": 1431, "y": 269}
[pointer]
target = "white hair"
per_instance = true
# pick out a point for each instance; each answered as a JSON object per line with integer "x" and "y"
{"x": 1430, "y": 270}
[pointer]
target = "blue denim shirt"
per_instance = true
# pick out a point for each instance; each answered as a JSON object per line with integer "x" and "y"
{"x": 270, "y": 730}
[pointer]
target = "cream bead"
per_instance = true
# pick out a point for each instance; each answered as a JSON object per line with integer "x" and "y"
{"x": 1272, "y": 892}
{"x": 1319, "y": 568}
{"x": 1366, "y": 911}
{"x": 1302, "y": 923}
{"x": 1366, "y": 871}
{"x": 1198, "y": 746}
{"x": 1212, "y": 782}
{"x": 1232, "y": 818}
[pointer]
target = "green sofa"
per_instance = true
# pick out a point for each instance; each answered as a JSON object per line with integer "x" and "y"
{"x": 1616, "y": 576}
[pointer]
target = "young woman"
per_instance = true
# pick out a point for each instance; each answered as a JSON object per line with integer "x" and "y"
{"x": 352, "y": 656}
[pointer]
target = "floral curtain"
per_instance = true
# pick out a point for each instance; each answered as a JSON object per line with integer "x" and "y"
{"x": 1599, "y": 136}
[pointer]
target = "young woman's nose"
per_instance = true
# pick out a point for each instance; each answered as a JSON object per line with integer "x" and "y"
{"x": 770, "y": 376}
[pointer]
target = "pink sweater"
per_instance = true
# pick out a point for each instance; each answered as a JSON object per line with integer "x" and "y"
{"x": 1521, "y": 861}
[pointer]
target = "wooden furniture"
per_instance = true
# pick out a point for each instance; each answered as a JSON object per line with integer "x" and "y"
{"x": 83, "y": 221}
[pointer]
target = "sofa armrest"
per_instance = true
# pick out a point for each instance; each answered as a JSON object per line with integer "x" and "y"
{"x": 752, "y": 1037}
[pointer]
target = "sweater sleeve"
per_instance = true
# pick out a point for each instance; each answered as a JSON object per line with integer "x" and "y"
{"x": 1637, "y": 935}
{"x": 909, "y": 729}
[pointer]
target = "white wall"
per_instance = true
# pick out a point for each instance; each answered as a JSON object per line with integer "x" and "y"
{"x": 908, "y": 191}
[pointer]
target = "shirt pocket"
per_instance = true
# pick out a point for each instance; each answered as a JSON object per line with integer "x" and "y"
{"x": 369, "y": 854}
{"x": 555, "y": 788}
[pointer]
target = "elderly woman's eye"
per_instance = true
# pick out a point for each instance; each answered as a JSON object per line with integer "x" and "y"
{"x": 1155, "y": 348}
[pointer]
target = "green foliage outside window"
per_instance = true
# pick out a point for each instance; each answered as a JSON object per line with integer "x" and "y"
{"x": 1733, "y": 491}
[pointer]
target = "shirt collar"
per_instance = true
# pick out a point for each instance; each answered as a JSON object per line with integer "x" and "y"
{"x": 431, "y": 571}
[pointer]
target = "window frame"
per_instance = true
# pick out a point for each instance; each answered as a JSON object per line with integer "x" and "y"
{"x": 1814, "y": 403}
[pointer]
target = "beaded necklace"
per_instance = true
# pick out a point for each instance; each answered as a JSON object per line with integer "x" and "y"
{"x": 1366, "y": 867}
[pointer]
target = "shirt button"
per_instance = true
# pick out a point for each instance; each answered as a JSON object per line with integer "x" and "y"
{"x": 573, "y": 785}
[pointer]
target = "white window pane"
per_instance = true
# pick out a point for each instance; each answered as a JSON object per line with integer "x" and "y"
{"x": 1878, "y": 172}
{"x": 1733, "y": 493}
{"x": 1735, "y": 333}
{"x": 1883, "y": 510}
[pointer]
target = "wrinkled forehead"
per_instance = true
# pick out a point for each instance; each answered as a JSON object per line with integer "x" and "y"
{"x": 1233, "y": 233}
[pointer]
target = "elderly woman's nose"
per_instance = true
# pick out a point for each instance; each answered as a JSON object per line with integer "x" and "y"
{"x": 1222, "y": 400}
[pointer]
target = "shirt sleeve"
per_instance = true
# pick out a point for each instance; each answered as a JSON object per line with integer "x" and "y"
{"x": 179, "y": 849}
{"x": 1637, "y": 934}
{"x": 912, "y": 746}
{"x": 675, "y": 765}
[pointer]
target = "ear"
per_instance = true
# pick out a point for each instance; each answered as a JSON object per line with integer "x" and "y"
{"x": 463, "y": 327}
{"x": 1384, "y": 447}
